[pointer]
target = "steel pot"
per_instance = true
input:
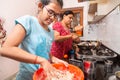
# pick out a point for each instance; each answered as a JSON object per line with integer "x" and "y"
{"x": 89, "y": 68}
{"x": 117, "y": 74}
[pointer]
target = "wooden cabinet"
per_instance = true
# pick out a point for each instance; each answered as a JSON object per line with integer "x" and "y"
{"x": 78, "y": 17}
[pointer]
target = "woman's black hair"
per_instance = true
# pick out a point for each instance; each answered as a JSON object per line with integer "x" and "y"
{"x": 67, "y": 13}
{"x": 46, "y": 2}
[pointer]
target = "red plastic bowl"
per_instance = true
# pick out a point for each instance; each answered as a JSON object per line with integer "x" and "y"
{"x": 78, "y": 74}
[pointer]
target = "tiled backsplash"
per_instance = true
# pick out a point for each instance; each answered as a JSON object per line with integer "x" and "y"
{"x": 106, "y": 31}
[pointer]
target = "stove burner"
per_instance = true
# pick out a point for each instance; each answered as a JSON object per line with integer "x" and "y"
{"x": 101, "y": 51}
{"x": 105, "y": 53}
{"x": 86, "y": 52}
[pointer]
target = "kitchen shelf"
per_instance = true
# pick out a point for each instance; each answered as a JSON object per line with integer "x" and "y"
{"x": 93, "y": 8}
{"x": 96, "y": 19}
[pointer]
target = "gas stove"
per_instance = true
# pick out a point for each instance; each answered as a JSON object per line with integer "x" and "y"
{"x": 95, "y": 49}
{"x": 102, "y": 60}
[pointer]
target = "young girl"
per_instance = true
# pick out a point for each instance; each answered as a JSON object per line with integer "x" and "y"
{"x": 34, "y": 37}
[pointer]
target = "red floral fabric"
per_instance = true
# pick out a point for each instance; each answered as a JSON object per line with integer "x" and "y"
{"x": 58, "y": 49}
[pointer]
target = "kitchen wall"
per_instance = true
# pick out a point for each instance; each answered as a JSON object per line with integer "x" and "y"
{"x": 109, "y": 30}
{"x": 10, "y": 10}
{"x": 104, "y": 8}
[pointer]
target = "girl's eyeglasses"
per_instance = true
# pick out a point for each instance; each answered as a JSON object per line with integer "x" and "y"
{"x": 51, "y": 13}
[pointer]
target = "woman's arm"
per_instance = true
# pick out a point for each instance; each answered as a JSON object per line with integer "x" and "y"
{"x": 75, "y": 38}
{"x": 58, "y": 37}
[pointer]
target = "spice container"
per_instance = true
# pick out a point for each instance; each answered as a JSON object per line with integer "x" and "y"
{"x": 108, "y": 66}
{"x": 72, "y": 54}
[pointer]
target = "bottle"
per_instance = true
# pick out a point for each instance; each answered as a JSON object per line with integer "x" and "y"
{"x": 72, "y": 54}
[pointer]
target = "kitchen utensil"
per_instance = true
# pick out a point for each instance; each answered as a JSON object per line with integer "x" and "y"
{"x": 117, "y": 74}
{"x": 89, "y": 68}
{"x": 108, "y": 65}
{"x": 78, "y": 74}
{"x": 75, "y": 62}
{"x": 112, "y": 77}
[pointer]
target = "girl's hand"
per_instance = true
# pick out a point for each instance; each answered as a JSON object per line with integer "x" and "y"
{"x": 64, "y": 62}
{"x": 48, "y": 68}
{"x": 56, "y": 60}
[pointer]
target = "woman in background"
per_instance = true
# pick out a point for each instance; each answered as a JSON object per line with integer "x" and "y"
{"x": 63, "y": 38}
{"x": 31, "y": 39}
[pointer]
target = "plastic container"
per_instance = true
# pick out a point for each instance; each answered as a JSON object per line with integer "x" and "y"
{"x": 108, "y": 66}
{"x": 78, "y": 74}
{"x": 72, "y": 54}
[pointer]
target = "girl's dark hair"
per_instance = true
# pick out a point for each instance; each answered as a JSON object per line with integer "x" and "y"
{"x": 67, "y": 13}
{"x": 46, "y": 2}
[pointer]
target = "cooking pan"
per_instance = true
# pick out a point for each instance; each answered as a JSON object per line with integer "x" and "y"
{"x": 78, "y": 74}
